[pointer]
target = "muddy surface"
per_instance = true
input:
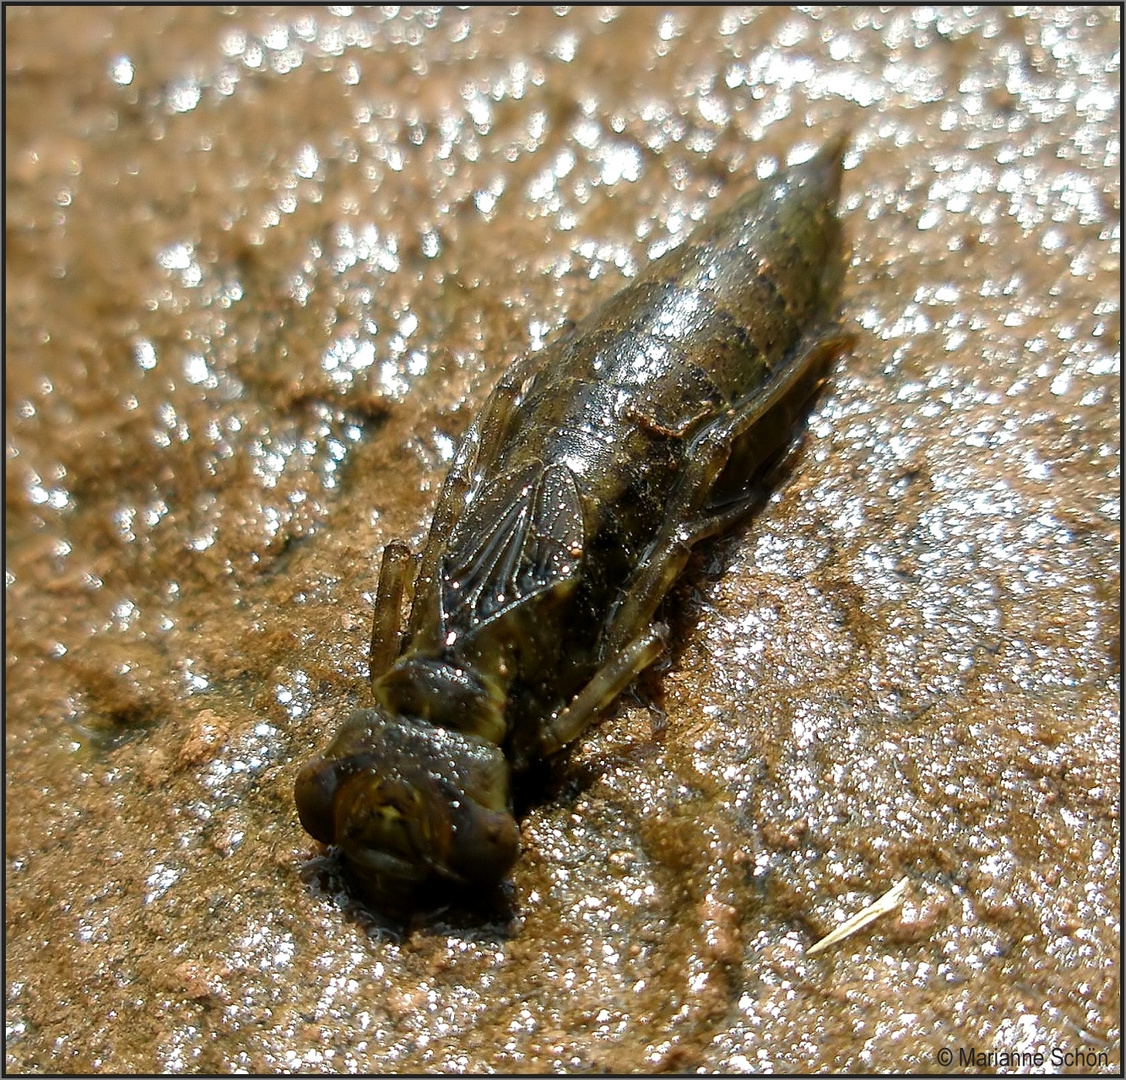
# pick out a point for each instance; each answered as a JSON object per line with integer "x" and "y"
{"x": 261, "y": 270}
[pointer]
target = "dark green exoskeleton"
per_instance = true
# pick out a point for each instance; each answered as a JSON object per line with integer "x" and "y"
{"x": 570, "y": 509}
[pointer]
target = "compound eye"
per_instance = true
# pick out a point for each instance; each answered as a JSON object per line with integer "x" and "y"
{"x": 314, "y": 791}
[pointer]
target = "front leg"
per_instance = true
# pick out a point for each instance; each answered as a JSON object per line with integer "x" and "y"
{"x": 387, "y": 618}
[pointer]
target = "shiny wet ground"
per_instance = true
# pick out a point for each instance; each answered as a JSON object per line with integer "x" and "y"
{"x": 261, "y": 271}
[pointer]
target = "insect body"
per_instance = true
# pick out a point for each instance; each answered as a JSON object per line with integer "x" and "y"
{"x": 570, "y": 509}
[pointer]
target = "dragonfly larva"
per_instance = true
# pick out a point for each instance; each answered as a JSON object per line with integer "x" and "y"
{"x": 571, "y": 507}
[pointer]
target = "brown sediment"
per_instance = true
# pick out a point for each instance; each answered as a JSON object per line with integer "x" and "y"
{"x": 906, "y": 666}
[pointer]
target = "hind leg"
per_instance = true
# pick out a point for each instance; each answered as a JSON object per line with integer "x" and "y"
{"x": 759, "y": 427}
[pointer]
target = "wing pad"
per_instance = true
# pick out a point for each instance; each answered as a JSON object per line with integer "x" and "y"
{"x": 520, "y": 536}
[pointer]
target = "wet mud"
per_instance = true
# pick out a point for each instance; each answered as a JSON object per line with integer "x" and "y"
{"x": 261, "y": 270}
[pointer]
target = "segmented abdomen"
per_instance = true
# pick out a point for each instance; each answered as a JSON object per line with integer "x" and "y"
{"x": 706, "y": 326}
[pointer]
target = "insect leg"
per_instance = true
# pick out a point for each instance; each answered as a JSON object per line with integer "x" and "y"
{"x": 386, "y": 620}
{"x": 722, "y": 514}
{"x": 608, "y": 682}
{"x": 688, "y": 518}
